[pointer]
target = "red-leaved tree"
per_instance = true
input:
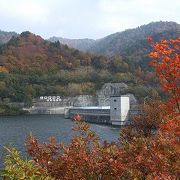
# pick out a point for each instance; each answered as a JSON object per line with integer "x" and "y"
{"x": 166, "y": 61}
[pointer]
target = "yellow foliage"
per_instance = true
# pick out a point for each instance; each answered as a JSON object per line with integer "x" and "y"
{"x": 3, "y": 69}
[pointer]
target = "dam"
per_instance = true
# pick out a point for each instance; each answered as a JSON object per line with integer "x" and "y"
{"x": 115, "y": 114}
{"x": 107, "y": 106}
{"x": 118, "y": 113}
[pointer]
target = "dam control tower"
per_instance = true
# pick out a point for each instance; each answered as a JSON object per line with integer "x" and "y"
{"x": 119, "y": 110}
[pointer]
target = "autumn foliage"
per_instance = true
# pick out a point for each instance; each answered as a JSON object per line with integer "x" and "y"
{"x": 166, "y": 61}
{"x": 147, "y": 149}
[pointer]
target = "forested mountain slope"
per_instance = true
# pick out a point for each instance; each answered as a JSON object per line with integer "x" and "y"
{"x": 120, "y": 42}
{"x": 31, "y": 67}
{"x": 31, "y": 52}
{"x": 131, "y": 44}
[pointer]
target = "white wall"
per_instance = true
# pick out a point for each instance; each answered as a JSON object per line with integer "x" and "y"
{"x": 125, "y": 106}
{"x": 119, "y": 109}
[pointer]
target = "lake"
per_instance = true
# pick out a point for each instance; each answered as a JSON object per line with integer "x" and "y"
{"x": 15, "y": 129}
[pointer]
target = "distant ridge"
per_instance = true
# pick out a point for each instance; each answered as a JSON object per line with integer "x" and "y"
{"x": 131, "y": 44}
{"x": 6, "y": 36}
{"x": 128, "y": 41}
{"x": 80, "y": 44}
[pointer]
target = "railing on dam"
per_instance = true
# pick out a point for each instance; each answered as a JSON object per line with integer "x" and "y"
{"x": 90, "y": 111}
{"x": 94, "y": 115}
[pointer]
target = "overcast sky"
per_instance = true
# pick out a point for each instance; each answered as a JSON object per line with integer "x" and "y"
{"x": 83, "y": 18}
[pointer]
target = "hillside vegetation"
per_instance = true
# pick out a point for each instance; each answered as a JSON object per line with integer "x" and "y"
{"x": 31, "y": 67}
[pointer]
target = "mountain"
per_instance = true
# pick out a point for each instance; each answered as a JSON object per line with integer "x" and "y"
{"x": 29, "y": 51}
{"x": 6, "y": 36}
{"x": 31, "y": 67}
{"x": 132, "y": 43}
{"x": 81, "y": 44}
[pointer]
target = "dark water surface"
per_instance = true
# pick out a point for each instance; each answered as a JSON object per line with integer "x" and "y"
{"x": 15, "y": 129}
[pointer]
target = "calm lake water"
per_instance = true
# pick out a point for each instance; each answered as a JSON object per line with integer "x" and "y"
{"x": 15, "y": 129}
